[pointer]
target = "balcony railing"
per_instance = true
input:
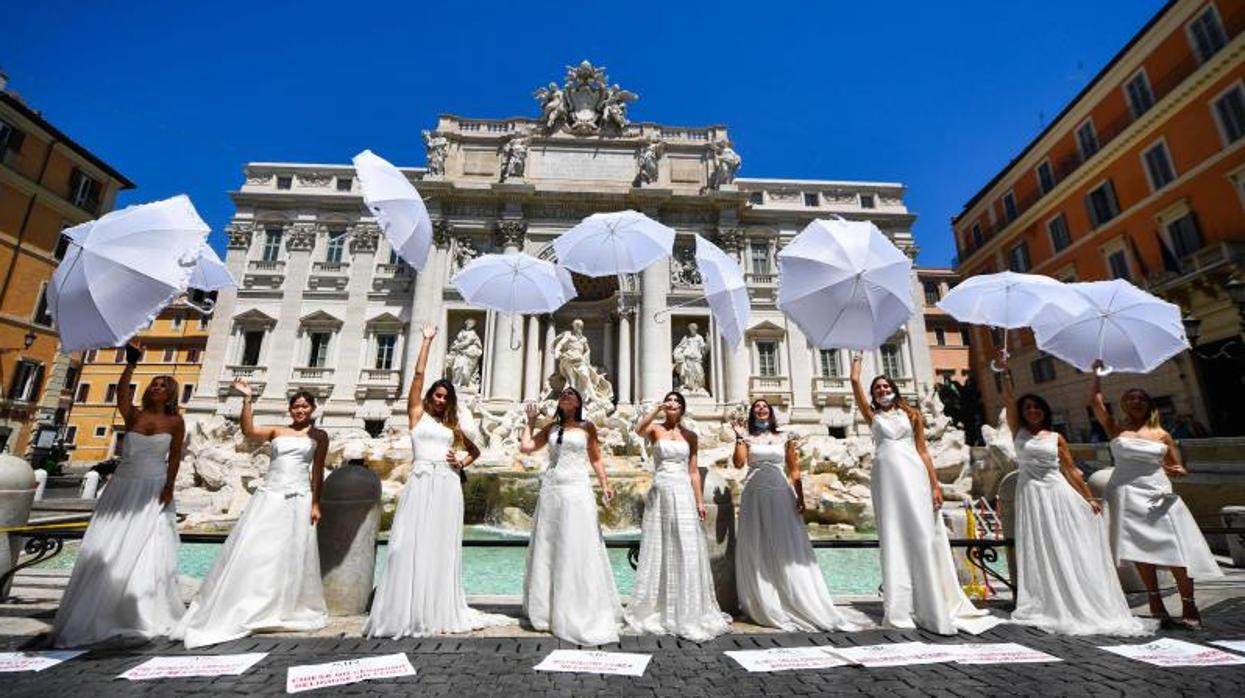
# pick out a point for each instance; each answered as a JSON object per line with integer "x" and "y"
{"x": 256, "y": 376}
{"x": 266, "y": 265}
{"x": 776, "y": 388}
{"x": 761, "y": 280}
{"x": 378, "y": 382}
{"x": 331, "y": 267}
{"x": 313, "y": 374}
{"x": 830, "y": 388}
{"x": 329, "y": 276}
{"x": 392, "y": 277}
{"x": 263, "y": 272}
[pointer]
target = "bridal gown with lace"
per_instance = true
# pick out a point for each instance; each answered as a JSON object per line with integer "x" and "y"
{"x": 267, "y": 576}
{"x": 777, "y": 576}
{"x": 421, "y": 592}
{"x": 673, "y": 583}
{"x": 568, "y": 587}
{"x": 1149, "y": 522}
{"x": 124, "y": 583}
{"x": 919, "y": 583}
{"x": 1067, "y": 580}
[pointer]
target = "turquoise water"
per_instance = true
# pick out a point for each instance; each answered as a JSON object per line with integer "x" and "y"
{"x": 499, "y": 571}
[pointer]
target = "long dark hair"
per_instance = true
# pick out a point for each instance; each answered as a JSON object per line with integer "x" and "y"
{"x": 448, "y": 418}
{"x": 1046, "y": 424}
{"x": 170, "y": 389}
{"x": 559, "y": 418}
{"x": 754, "y": 426}
{"x": 1154, "y": 421}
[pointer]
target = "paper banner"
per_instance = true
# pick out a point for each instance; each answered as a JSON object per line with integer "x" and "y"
{"x": 312, "y": 676}
{"x": 977, "y": 626}
{"x": 1234, "y": 645}
{"x": 193, "y": 665}
{"x": 593, "y": 662}
{"x": 998, "y": 653}
{"x": 895, "y": 654}
{"x": 35, "y": 661}
{"x": 785, "y": 658}
{"x": 1168, "y": 652}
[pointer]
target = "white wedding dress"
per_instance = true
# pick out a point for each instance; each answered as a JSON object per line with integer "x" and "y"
{"x": 1067, "y": 581}
{"x": 421, "y": 592}
{"x": 124, "y": 583}
{"x": 919, "y": 583}
{"x": 673, "y": 583}
{"x": 777, "y": 577}
{"x": 267, "y": 576}
{"x": 1150, "y": 523}
{"x": 568, "y": 587}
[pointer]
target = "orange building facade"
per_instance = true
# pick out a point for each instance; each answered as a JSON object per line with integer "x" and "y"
{"x": 1141, "y": 177}
{"x": 948, "y": 339}
{"x": 47, "y": 183}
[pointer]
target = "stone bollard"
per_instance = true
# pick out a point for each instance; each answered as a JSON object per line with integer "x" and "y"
{"x": 1129, "y": 579}
{"x": 719, "y": 530}
{"x": 349, "y": 523}
{"x": 1007, "y": 517}
{"x": 90, "y": 484}
{"x": 1234, "y": 517}
{"x": 17, "y": 494}
{"x": 41, "y": 483}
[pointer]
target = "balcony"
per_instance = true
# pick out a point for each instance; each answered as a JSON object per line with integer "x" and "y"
{"x": 762, "y": 288}
{"x": 383, "y": 383}
{"x": 257, "y": 376}
{"x": 1198, "y": 265}
{"x": 314, "y": 379}
{"x": 392, "y": 277}
{"x": 262, "y": 273}
{"x": 776, "y": 389}
{"x": 831, "y": 391}
{"x": 329, "y": 276}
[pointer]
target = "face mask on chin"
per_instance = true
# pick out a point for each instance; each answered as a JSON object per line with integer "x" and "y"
{"x": 761, "y": 424}
{"x": 886, "y": 400}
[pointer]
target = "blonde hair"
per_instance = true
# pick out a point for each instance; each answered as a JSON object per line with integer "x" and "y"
{"x": 170, "y": 387}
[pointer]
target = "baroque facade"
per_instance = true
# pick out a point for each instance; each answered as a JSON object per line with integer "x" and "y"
{"x": 324, "y": 305}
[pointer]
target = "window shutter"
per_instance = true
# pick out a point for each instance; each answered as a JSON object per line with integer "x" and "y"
{"x": 16, "y": 138}
{"x": 36, "y": 384}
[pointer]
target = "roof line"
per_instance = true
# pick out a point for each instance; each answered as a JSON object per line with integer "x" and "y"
{"x": 60, "y": 136}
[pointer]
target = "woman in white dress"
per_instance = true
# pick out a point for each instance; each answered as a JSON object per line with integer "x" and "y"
{"x": 1067, "y": 583}
{"x": 421, "y": 592}
{"x": 267, "y": 576}
{"x": 673, "y": 583}
{"x": 777, "y": 577}
{"x": 124, "y": 583}
{"x": 1150, "y": 525}
{"x": 568, "y": 586}
{"x": 919, "y": 583}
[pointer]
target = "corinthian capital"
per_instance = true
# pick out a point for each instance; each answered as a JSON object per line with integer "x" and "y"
{"x": 512, "y": 232}
{"x": 240, "y": 235}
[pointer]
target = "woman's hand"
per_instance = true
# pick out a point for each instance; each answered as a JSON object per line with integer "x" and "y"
{"x": 452, "y": 459}
{"x": 133, "y": 352}
{"x": 607, "y": 493}
{"x": 1175, "y": 470}
{"x": 166, "y": 495}
{"x": 799, "y": 504}
{"x": 937, "y": 498}
{"x": 532, "y": 411}
{"x": 430, "y": 330}
{"x": 242, "y": 387}
{"x": 857, "y": 363}
{"x": 315, "y": 514}
{"x": 1000, "y": 360}
{"x": 700, "y": 510}
{"x": 1096, "y": 505}
{"x": 738, "y": 426}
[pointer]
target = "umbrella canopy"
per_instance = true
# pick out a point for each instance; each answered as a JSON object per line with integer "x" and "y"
{"x": 1129, "y": 329}
{"x": 398, "y": 208}
{"x": 122, "y": 269}
{"x": 606, "y": 244}
{"x": 1007, "y": 299}
{"x": 209, "y": 273}
{"x": 725, "y": 291}
{"x": 515, "y": 283}
{"x": 845, "y": 284}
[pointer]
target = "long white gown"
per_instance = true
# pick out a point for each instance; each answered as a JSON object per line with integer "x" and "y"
{"x": 776, "y": 574}
{"x": 1150, "y": 523}
{"x": 568, "y": 587}
{"x": 267, "y": 576}
{"x": 421, "y": 592}
{"x": 919, "y": 583}
{"x": 673, "y": 583}
{"x": 124, "y": 583}
{"x": 1067, "y": 582}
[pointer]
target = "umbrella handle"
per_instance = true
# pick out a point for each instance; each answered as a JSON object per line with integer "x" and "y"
{"x": 515, "y": 343}
{"x": 205, "y": 309}
{"x": 657, "y": 316}
{"x": 994, "y": 364}
{"x": 1104, "y": 371}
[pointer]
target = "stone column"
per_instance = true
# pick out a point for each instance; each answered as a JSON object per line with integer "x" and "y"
{"x": 736, "y": 370}
{"x": 428, "y": 306}
{"x": 800, "y": 369}
{"x": 607, "y": 351}
{"x": 220, "y": 330}
{"x": 350, "y": 347}
{"x": 549, "y": 362}
{"x": 623, "y": 386}
{"x": 506, "y": 370}
{"x": 532, "y": 369}
{"x": 656, "y": 365}
{"x": 300, "y": 238}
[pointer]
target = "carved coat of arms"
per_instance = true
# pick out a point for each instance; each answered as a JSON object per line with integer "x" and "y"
{"x": 586, "y": 103}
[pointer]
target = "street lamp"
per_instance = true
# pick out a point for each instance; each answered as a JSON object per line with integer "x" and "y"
{"x": 29, "y": 339}
{"x": 1192, "y": 328}
{"x": 1236, "y": 293}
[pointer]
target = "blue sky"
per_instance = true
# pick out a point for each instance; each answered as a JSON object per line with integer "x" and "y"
{"x": 938, "y": 96}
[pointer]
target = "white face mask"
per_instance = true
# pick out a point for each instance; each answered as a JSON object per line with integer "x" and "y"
{"x": 886, "y": 400}
{"x": 762, "y": 424}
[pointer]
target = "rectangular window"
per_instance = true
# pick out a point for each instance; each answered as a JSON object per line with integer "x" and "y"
{"x": 84, "y": 393}
{"x": 940, "y": 336}
{"x": 867, "y": 201}
{"x": 1140, "y": 98}
{"x": 336, "y": 245}
{"x": 170, "y": 356}
{"x": 204, "y": 320}
{"x": 192, "y": 356}
{"x": 1158, "y": 166}
{"x": 1009, "y": 207}
{"x": 1185, "y": 236}
{"x": 978, "y": 238}
{"x": 62, "y": 247}
{"x": 176, "y": 320}
{"x": 110, "y": 393}
{"x": 831, "y": 367}
{"x": 1060, "y": 238}
{"x": 1018, "y": 258}
{"x": 188, "y": 391}
{"x": 285, "y": 181}
{"x": 10, "y": 139}
{"x": 891, "y": 363}
{"x": 91, "y": 356}
{"x": 101, "y": 432}
{"x": 345, "y": 183}
{"x": 385, "y": 344}
{"x": 931, "y": 292}
{"x": 1087, "y": 140}
{"x": 964, "y": 340}
{"x": 83, "y": 191}
{"x": 27, "y": 378}
{"x": 1117, "y": 262}
{"x": 71, "y": 434}
{"x": 42, "y": 316}
{"x": 252, "y": 341}
{"x": 1230, "y": 111}
{"x": 1206, "y": 34}
{"x": 318, "y": 352}
{"x": 1102, "y": 204}
{"x": 810, "y": 199}
{"x": 760, "y": 258}
{"x": 767, "y": 358}
{"x": 272, "y": 244}
{"x": 1043, "y": 369}
{"x": 118, "y": 444}
{"x": 1046, "y": 177}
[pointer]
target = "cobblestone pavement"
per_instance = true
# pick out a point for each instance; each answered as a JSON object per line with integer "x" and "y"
{"x": 472, "y": 666}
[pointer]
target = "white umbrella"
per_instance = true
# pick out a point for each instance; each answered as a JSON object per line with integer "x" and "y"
{"x": 398, "y": 208}
{"x": 1127, "y": 328}
{"x": 1008, "y": 300}
{"x": 606, "y": 244}
{"x": 515, "y": 283}
{"x": 845, "y": 284}
{"x": 209, "y": 273}
{"x": 723, "y": 283}
{"x": 122, "y": 269}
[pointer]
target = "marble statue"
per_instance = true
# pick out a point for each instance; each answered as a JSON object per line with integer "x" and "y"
{"x": 586, "y": 102}
{"x": 726, "y": 163}
{"x": 514, "y": 157}
{"x": 683, "y": 269}
{"x": 573, "y": 358}
{"x": 614, "y": 106}
{"x": 552, "y": 105}
{"x": 465, "y": 352}
{"x": 438, "y": 147}
{"x": 464, "y": 253}
{"x": 646, "y": 161}
{"x": 689, "y": 361}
